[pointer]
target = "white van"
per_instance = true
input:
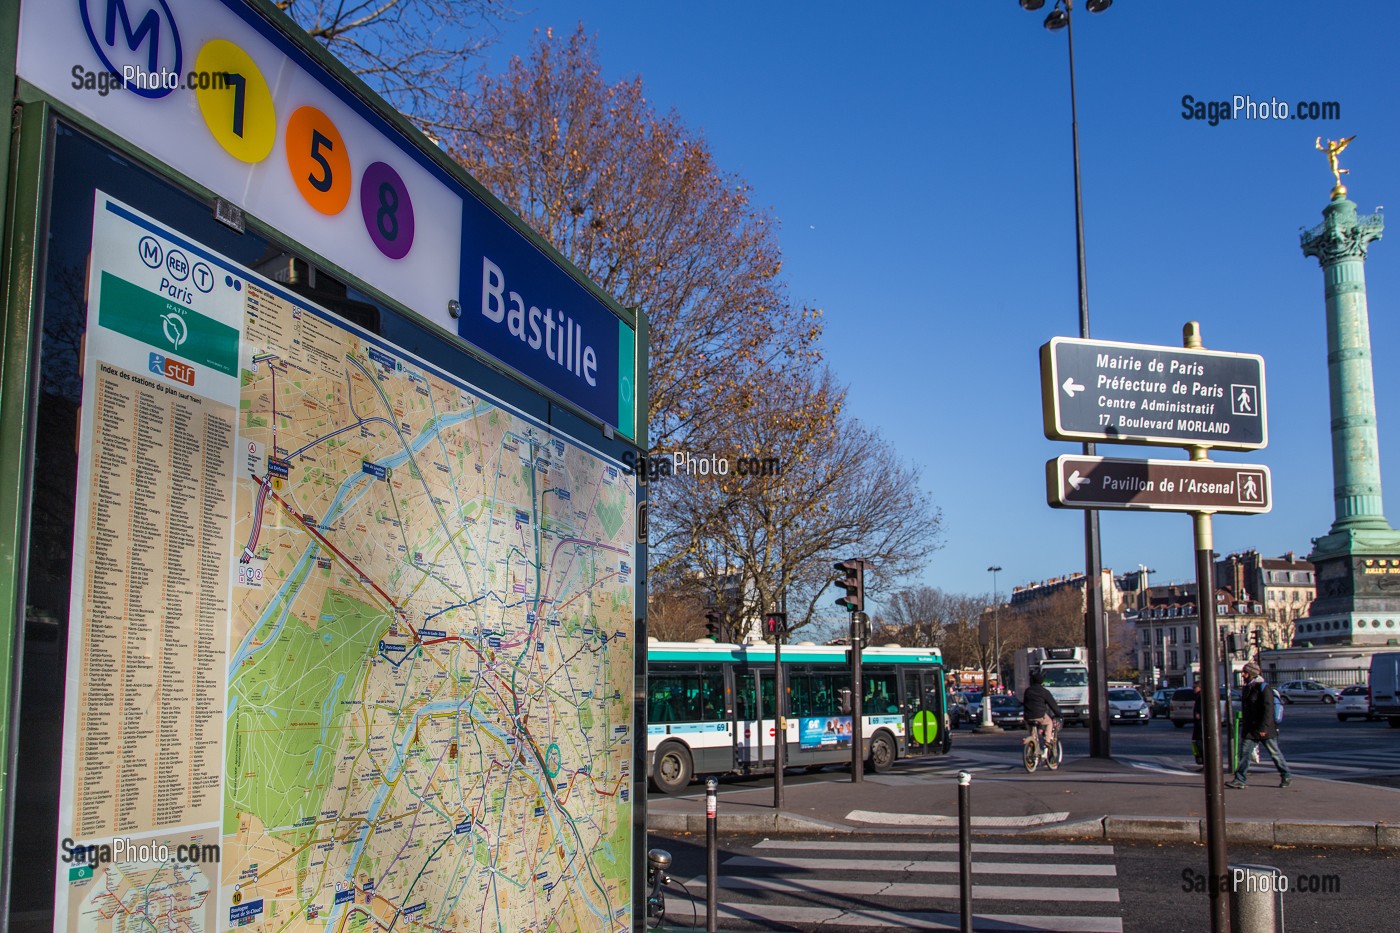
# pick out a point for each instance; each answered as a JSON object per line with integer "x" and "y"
{"x": 1385, "y": 686}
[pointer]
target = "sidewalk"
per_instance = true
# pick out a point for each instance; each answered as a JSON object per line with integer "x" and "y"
{"x": 1085, "y": 798}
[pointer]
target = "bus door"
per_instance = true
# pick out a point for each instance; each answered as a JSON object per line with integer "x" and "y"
{"x": 923, "y": 711}
{"x": 753, "y": 718}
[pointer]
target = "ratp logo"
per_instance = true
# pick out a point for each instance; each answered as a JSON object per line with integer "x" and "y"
{"x": 175, "y": 329}
{"x": 140, "y": 35}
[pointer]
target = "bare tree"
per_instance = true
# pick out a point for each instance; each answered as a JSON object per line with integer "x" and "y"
{"x": 414, "y": 53}
{"x": 1055, "y": 619}
{"x": 923, "y": 616}
{"x": 1122, "y": 647}
{"x": 634, "y": 199}
{"x": 841, "y": 492}
{"x": 962, "y": 640}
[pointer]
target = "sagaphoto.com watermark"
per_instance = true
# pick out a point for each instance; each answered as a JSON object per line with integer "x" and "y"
{"x": 686, "y": 463}
{"x": 1249, "y": 882}
{"x": 1245, "y": 107}
{"x": 163, "y": 79}
{"x": 120, "y": 849}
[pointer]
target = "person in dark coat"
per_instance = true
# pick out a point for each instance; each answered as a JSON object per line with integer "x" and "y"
{"x": 1038, "y": 706}
{"x": 1259, "y": 727}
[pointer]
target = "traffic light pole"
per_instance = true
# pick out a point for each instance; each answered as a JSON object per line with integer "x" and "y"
{"x": 857, "y": 693}
{"x": 852, "y": 580}
{"x": 779, "y": 721}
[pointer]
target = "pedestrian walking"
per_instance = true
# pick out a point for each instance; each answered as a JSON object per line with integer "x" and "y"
{"x": 1259, "y": 724}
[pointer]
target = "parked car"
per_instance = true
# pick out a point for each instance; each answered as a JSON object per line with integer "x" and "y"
{"x": 958, "y": 711}
{"x": 1355, "y": 701}
{"x": 1162, "y": 703}
{"x": 1183, "y": 707}
{"x": 1385, "y": 686}
{"x": 1127, "y": 706}
{"x": 1008, "y": 712}
{"x": 1296, "y": 690}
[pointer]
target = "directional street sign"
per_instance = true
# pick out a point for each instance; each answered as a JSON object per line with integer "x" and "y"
{"x": 1132, "y": 393}
{"x": 1076, "y": 482}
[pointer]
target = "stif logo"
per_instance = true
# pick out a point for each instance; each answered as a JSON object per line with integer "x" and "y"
{"x": 172, "y": 369}
{"x": 140, "y": 36}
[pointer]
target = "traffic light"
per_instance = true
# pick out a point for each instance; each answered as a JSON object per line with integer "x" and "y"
{"x": 775, "y": 624}
{"x": 714, "y": 626}
{"x": 852, "y": 580}
{"x": 1232, "y": 643}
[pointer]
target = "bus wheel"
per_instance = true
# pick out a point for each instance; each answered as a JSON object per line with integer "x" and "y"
{"x": 881, "y": 753}
{"x": 672, "y": 771}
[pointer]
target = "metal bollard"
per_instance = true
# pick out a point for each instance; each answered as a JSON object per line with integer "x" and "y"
{"x": 1256, "y": 898}
{"x": 711, "y": 854}
{"x": 965, "y": 848}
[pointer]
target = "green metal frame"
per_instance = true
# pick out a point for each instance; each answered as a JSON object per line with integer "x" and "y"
{"x": 20, "y": 278}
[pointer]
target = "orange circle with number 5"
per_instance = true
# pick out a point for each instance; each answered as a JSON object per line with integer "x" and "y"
{"x": 318, "y": 161}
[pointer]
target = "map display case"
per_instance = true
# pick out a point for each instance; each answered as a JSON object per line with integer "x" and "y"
{"x": 328, "y": 611}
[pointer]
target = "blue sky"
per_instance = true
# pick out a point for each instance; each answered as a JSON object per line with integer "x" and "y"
{"x": 918, "y": 157}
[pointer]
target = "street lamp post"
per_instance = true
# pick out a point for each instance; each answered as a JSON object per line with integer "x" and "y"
{"x": 1095, "y": 628}
{"x": 996, "y": 620}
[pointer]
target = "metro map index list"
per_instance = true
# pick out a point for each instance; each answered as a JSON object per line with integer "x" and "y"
{"x": 1094, "y": 390}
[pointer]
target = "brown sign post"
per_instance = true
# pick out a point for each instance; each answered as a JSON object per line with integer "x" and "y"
{"x": 1078, "y": 482}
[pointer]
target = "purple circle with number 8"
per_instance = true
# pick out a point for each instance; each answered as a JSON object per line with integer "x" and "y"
{"x": 387, "y": 209}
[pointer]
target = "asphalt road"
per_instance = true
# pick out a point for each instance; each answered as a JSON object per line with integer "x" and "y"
{"x": 1312, "y": 739}
{"x": 902, "y": 882}
{"x": 1311, "y": 736}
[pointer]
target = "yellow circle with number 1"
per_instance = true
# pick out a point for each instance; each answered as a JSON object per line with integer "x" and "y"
{"x": 234, "y": 100}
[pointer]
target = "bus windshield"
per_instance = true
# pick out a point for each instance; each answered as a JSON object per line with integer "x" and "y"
{"x": 1066, "y": 676}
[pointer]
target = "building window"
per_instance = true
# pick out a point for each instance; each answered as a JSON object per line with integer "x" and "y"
{"x": 1173, "y": 659}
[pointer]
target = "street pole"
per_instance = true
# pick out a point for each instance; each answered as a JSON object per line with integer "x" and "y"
{"x": 996, "y": 622}
{"x": 857, "y": 689}
{"x": 1095, "y": 629}
{"x": 779, "y": 721}
{"x": 1217, "y": 858}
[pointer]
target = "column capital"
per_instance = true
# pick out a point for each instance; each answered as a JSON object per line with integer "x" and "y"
{"x": 1343, "y": 234}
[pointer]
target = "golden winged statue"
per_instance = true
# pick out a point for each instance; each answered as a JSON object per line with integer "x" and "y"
{"x": 1333, "y": 149}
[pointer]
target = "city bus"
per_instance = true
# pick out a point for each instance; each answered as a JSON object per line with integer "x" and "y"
{"x": 710, "y": 708}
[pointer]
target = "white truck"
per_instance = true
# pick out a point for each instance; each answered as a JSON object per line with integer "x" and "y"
{"x": 1385, "y": 686}
{"x": 1064, "y": 673}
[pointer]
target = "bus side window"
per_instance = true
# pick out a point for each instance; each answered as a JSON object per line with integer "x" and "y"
{"x": 712, "y": 695}
{"x": 879, "y": 694}
{"x": 660, "y": 691}
{"x": 744, "y": 707}
{"x": 800, "y": 699}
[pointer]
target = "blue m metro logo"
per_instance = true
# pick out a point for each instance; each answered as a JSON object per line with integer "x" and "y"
{"x": 150, "y": 26}
{"x": 133, "y": 39}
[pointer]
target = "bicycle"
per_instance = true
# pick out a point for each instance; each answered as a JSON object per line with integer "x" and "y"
{"x": 1037, "y": 747}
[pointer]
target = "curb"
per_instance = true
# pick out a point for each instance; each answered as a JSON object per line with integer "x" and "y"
{"x": 1341, "y": 833}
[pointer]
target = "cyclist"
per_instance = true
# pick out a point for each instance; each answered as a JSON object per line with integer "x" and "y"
{"x": 1039, "y": 706}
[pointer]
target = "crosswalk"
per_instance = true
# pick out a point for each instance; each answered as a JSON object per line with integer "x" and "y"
{"x": 1380, "y": 761}
{"x": 834, "y": 885}
{"x": 949, "y": 765}
{"x": 1341, "y": 765}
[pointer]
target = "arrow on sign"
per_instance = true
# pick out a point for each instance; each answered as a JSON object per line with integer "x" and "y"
{"x": 1075, "y": 480}
{"x": 1072, "y": 387}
